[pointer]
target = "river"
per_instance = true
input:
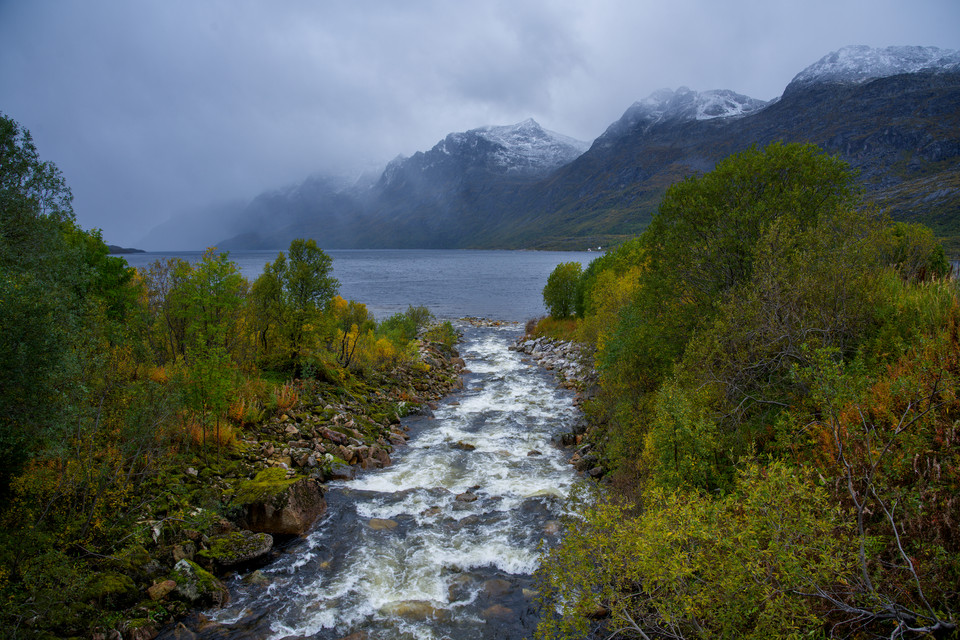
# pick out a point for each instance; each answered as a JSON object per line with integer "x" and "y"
{"x": 443, "y": 543}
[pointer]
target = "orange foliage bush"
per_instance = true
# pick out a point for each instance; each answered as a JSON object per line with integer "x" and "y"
{"x": 286, "y": 397}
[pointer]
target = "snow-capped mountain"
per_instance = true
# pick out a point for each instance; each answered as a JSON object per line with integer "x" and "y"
{"x": 856, "y": 64}
{"x": 529, "y": 147}
{"x": 667, "y": 105}
{"x": 525, "y": 148}
{"x": 523, "y": 151}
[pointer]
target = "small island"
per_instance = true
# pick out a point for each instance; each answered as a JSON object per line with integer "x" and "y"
{"x": 117, "y": 250}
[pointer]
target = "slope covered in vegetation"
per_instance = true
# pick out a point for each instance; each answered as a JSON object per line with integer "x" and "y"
{"x": 778, "y": 416}
{"x": 142, "y": 411}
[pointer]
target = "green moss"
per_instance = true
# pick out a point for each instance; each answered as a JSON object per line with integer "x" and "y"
{"x": 131, "y": 560}
{"x": 139, "y": 623}
{"x": 264, "y": 486}
{"x": 204, "y": 582}
{"x": 111, "y": 589}
{"x": 233, "y": 548}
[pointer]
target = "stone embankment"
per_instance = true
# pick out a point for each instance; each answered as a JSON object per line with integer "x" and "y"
{"x": 572, "y": 363}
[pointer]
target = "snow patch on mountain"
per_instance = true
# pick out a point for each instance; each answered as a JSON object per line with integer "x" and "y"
{"x": 522, "y": 149}
{"x": 667, "y": 105}
{"x": 858, "y": 63}
{"x": 525, "y": 147}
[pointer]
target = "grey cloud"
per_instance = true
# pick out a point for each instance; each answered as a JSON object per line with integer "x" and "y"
{"x": 154, "y": 108}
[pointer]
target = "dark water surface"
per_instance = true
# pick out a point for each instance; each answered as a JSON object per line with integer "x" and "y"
{"x": 501, "y": 285}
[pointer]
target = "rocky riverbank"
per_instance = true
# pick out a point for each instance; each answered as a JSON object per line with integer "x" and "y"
{"x": 230, "y": 511}
{"x": 572, "y": 363}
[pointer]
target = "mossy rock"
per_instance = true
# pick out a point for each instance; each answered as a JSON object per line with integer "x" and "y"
{"x": 113, "y": 590}
{"x": 132, "y": 560}
{"x": 265, "y": 486}
{"x": 198, "y": 586}
{"x": 281, "y": 507}
{"x": 235, "y": 548}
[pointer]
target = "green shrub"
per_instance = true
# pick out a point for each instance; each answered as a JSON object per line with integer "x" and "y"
{"x": 560, "y": 292}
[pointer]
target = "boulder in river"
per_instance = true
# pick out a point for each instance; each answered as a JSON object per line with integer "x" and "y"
{"x": 415, "y": 610}
{"x": 497, "y": 611}
{"x": 496, "y": 587}
{"x": 379, "y": 524}
{"x": 277, "y": 505}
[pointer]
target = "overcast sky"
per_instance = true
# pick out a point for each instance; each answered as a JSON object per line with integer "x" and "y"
{"x": 153, "y": 108}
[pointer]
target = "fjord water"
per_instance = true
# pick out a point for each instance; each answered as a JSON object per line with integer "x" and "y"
{"x": 503, "y": 285}
{"x": 398, "y": 555}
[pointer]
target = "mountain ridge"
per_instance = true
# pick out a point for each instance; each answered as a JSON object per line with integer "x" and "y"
{"x": 893, "y": 114}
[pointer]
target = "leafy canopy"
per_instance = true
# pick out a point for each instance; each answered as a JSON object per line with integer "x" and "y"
{"x": 560, "y": 292}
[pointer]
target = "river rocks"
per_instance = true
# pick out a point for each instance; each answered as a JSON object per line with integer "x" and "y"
{"x": 419, "y": 610}
{"x": 186, "y": 550}
{"x": 280, "y": 506}
{"x": 232, "y": 549}
{"x": 161, "y": 590}
{"x": 459, "y": 588}
{"x": 111, "y": 590}
{"x": 467, "y": 496}
{"x": 584, "y": 462}
{"x": 496, "y": 587}
{"x": 197, "y": 586}
{"x": 257, "y": 578}
{"x": 569, "y": 360}
{"x": 181, "y": 632}
{"x": 145, "y": 632}
{"x": 497, "y": 611}
{"x": 341, "y": 472}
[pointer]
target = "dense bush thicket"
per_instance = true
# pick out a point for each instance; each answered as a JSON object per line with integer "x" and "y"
{"x": 778, "y": 413}
{"x": 110, "y": 376}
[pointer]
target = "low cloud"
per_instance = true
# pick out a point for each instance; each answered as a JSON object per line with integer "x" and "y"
{"x": 156, "y": 108}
